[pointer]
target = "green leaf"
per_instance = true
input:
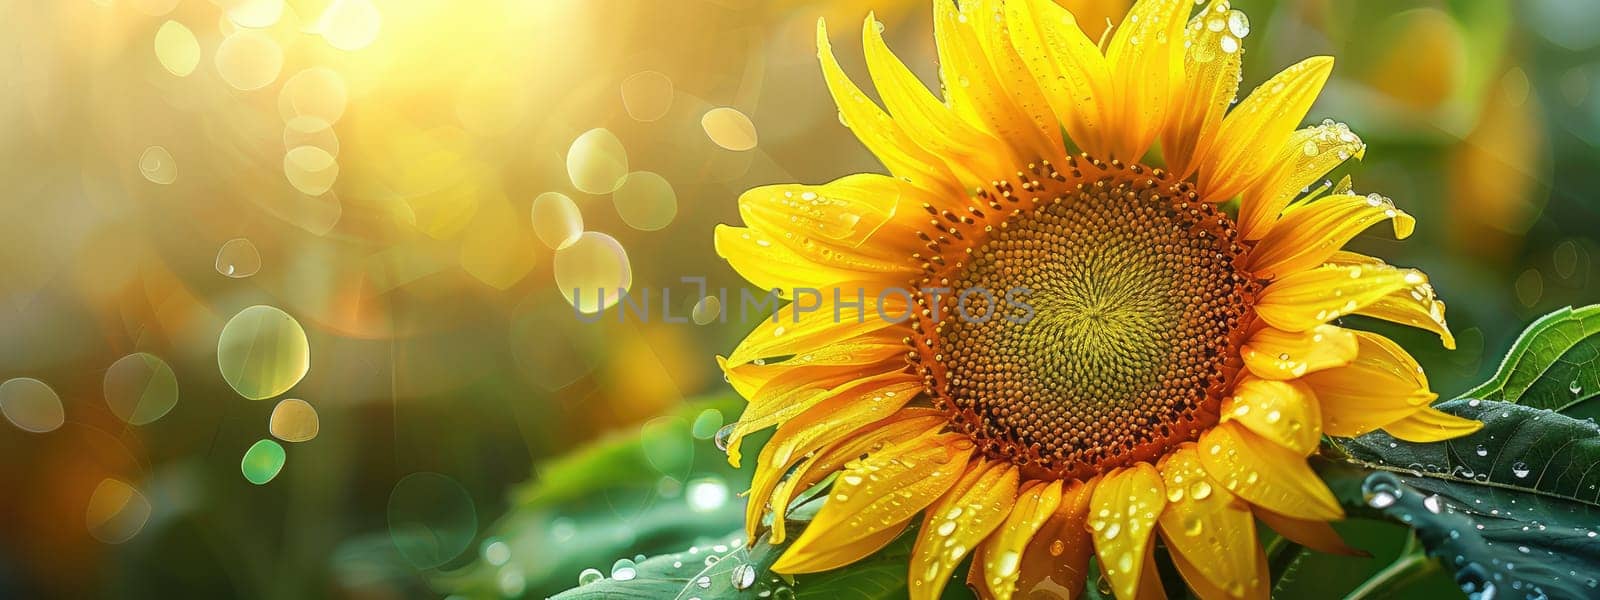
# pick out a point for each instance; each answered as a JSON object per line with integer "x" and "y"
{"x": 1554, "y": 364}
{"x": 1514, "y": 506}
{"x": 717, "y": 571}
{"x": 649, "y": 489}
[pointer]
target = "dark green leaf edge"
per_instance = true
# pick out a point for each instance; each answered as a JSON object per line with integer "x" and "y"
{"x": 1511, "y": 510}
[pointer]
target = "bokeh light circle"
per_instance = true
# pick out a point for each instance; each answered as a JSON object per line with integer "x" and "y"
{"x": 262, "y": 462}
{"x": 157, "y": 165}
{"x": 556, "y": 220}
{"x": 647, "y": 95}
{"x": 248, "y": 60}
{"x": 294, "y": 420}
{"x": 310, "y": 169}
{"x": 238, "y": 258}
{"x": 431, "y": 519}
{"x": 646, "y": 201}
{"x": 263, "y": 352}
{"x": 729, "y": 128}
{"x": 597, "y": 162}
{"x": 140, "y": 388}
{"x": 315, "y": 92}
{"x": 177, "y": 49}
{"x": 117, "y": 511}
{"x": 31, "y": 405}
{"x": 350, "y": 25}
{"x": 593, "y": 271}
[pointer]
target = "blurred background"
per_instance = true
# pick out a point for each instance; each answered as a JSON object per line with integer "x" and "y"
{"x": 279, "y": 291}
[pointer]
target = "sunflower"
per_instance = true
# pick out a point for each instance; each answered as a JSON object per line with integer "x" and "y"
{"x": 1174, "y": 362}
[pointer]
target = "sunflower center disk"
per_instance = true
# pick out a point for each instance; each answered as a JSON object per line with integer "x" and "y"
{"x": 1137, "y": 314}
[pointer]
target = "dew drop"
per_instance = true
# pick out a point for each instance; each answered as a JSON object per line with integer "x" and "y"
{"x": 724, "y": 435}
{"x": 623, "y": 570}
{"x": 1520, "y": 469}
{"x": 589, "y": 576}
{"x": 743, "y": 576}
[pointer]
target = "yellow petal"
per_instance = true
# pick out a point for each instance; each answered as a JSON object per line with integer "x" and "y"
{"x": 987, "y": 19}
{"x": 876, "y": 493}
{"x": 1308, "y": 155}
{"x": 879, "y": 133}
{"x": 1146, "y": 59}
{"x": 831, "y": 420}
{"x": 1122, "y": 516}
{"x": 824, "y": 559}
{"x": 1252, "y": 133}
{"x": 1056, "y": 561}
{"x": 971, "y": 154}
{"x": 869, "y": 214}
{"x": 798, "y": 390}
{"x": 769, "y": 264}
{"x": 907, "y": 424}
{"x": 1382, "y": 385}
{"x": 1264, "y": 473}
{"x": 1303, "y": 300}
{"x": 1277, "y": 354}
{"x": 1309, "y": 234}
{"x": 1206, "y": 590}
{"x": 1316, "y": 535}
{"x": 1204, "y": 524}
{"x": 999, "y": 562}
{"x": 1430, "y": 425}
{"x": 1417, "y": 306}
{"x": 975, "y": 93}
{"x": 1211, "y": 79}
{"x": 1283, "y": 412}
{"x": 794, "y": 330}
{"x": 1072, "y": 74}
{"x": 958, "y": 522}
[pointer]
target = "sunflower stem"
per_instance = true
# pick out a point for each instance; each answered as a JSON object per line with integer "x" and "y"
{"x": 1412, "y": 565}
